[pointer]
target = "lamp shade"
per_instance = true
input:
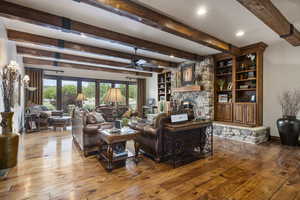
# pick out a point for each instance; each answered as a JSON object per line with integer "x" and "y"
{"x": 114, "y": 95}
{"x": 80, "y": 97}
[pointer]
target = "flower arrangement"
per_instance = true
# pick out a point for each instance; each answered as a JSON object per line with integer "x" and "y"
{"x": 9, "y": 76}
{"x": 290, "y": 103}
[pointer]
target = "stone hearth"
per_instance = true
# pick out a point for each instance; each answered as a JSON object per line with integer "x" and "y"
{"x": 255, "y": 135}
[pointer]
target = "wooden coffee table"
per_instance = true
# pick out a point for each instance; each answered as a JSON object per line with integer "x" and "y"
{"x": 112, "y": 151}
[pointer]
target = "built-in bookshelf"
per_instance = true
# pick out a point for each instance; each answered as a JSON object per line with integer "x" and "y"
{"x": 239, "y": 86}
{"x": 164, "y": 86}
{"x": 224, "y": 80}
{"x": 246, "y": 78}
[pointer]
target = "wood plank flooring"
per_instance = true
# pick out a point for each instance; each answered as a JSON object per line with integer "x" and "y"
{"x": 52, "y": 167}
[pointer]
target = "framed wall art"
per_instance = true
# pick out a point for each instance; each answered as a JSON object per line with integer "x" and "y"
{"x": 188, "y": 74}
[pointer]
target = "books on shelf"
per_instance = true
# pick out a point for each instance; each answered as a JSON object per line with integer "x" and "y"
{"x": 223, "y": 98}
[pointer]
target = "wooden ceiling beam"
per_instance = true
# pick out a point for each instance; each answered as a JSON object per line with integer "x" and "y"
{"x": 64, "y": 56}
{"x": 266, "y": 11}
{"x": 41, "y": 40}
{"x": 40, "y": 62}
{"x": 162, "y": 22}
{"x": 25, "y": 14}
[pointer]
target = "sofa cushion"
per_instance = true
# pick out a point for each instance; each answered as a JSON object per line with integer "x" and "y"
{"x": 99, "y": 117}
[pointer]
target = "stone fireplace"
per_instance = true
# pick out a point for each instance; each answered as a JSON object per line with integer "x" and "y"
{"x": 202, "y": 100}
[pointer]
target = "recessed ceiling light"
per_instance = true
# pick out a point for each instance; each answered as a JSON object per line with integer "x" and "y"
{"x": 240, "y": 33}
{"x": 83, "y": 35}
{"x": 201, "y": 11}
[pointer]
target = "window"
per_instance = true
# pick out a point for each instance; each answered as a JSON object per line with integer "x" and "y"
{"x": 89, "y": 91}
{"x": 50, "y": 93}
{"x": 103, "y": 90}
{"x": 123, "y": 91}
{"x": 69, "y": 94}
{"x": 132, "y": 96}
{"x": 61, "y": 92}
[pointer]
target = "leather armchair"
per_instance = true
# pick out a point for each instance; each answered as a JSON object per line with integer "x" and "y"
{"x": 151, "y": 137}
{"x": 84, "y": 134}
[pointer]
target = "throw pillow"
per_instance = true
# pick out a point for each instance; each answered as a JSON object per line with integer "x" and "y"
{"x": 127, "y": 114}
{"x": 99, "y": 117}
{"x": 91, "y": 119}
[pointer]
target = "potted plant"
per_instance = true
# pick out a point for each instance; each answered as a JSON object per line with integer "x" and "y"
{"x": 288, "y": 126}
{"x": 9, "y": 141}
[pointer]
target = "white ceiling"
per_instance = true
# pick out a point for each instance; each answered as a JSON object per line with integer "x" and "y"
{"x": 223, "y": 19}
{"x": 290, "y": 9}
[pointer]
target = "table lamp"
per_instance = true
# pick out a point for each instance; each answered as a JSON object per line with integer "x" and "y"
{"x": 114, "y": 95}
{"x": 80, "y": 98}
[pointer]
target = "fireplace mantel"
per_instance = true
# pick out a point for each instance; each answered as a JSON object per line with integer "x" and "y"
{"x": 192, "y": 88}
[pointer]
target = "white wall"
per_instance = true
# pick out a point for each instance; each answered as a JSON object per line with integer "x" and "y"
{"x": 281, "y": 73}
{"x": 151, "y": 87}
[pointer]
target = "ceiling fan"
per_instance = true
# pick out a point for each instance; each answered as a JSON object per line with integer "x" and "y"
{"x": 139, "y": 63}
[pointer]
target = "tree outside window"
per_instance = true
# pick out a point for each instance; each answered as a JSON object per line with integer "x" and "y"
{"x": 89, "y": 91}
{"x": 50, "y": 94}
{"x": 69, "y": 94}
{"x": 132, "y": 96}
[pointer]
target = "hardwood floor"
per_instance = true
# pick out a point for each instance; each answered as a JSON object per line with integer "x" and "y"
{"x": 51, "y": 167}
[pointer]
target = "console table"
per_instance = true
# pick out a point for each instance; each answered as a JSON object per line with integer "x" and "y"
{"x": 187, "y": 142}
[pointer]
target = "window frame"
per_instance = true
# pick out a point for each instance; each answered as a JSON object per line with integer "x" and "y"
{"x": 59, "y": 80}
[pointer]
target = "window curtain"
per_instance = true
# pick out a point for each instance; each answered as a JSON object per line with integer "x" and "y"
{"x": 36, "y": 80}
{"x": 141, "y": 95}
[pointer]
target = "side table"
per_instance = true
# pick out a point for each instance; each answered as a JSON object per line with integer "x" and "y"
{"x": 112, "y": 151}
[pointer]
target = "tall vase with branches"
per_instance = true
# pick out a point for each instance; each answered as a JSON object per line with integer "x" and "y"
{"x": 9, "y": 141}
{"x": 288, "y": 126}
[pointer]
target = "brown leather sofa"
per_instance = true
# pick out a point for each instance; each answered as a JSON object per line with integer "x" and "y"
{"x": 85, "y": 133}
{"x": 151, "y": 137}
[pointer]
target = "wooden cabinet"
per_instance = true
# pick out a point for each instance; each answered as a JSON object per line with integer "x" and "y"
{"x": 224, "y": 112}
{"x": 245, "y": 113}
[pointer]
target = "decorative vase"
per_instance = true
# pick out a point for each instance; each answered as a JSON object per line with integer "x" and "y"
{"x": 9, "y": 142}
{"x": 289, "y": 130}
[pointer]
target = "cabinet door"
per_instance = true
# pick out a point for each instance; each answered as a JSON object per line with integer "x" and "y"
{"x": 224, "y": 112}
{"x": 250, "y": 114}
{"x": 219, "y": 112}
{"x": 227, "y": 109}
{"x": 238, "y": 114}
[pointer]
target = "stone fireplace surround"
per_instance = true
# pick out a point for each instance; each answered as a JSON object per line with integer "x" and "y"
{"x": 203, "y": 100}
{"x": 204, "y": 105}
